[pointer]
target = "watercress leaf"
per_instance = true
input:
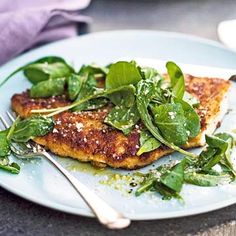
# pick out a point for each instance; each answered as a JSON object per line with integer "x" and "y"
{"x": 123, "y": 118}
{"x": 226, "y": 161}
{"x": 4, "y": 144}
{"x": 74, "y": 86}
{"x": 13, "y": 168}
{"x": 120, "y": 74}
{"x": 215, "y": 142}
{"x": 206, "y": 180}
{"x": 48, "y": 88}
{"x": 32, "y": 127}
{"x": 170, "y": 120}
{"x": 48, "y": 60}
{"x": 147, "y": 142}
{"x": 176, "y": 79}
{"x": 213, "y": 154}
{"x": 174, "y": 178}
{"x": 192, "y": 119}
{"x": 190, "y": 99}
{"x": 208, "y": 158}
{"x": 38, "y": 72}
{"x": 213, "y": 160}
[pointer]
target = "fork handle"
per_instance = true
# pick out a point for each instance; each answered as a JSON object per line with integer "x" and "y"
{"x": 105, "y": 214}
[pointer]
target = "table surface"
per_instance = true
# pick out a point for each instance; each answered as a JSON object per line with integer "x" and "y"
{"x": 20, "y": 217}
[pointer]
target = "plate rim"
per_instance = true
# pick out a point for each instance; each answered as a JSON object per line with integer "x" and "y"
{"x": 146, "y": 216}
{"x": 171, "y": 34}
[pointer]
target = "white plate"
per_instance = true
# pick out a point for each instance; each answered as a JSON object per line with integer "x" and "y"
{"x": 41, "y": 183}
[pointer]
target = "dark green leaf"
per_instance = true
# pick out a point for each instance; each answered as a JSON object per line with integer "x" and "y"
{"x": 43, "y": 69}
{"x": 38, "y": 72}
{"x": 227, "y": 154}
{"x": 123, "y": 118}
{"x": 32, "y": 127}
{"x": 120, "y": 74}
{"x": 215, "y": 142}
{"x": 147, "y": 142}
{"x": 176, "y": 79}
{"x": 192, "y": 119}
{"x": 4, "y": 144}
{"x": 170, "y": 120}
{"x": 174, "y": 178}
{"x": 208, "y": 158}
{"x": 48, "y": 88}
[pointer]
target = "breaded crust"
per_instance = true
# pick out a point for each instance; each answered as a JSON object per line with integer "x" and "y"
{"x": 85, "y": 137}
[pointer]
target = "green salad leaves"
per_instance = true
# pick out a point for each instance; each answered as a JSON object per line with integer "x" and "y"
{"x": 138, "y": 99}
{"x": 137, "y": 94}
{"x": 168, "y": 180}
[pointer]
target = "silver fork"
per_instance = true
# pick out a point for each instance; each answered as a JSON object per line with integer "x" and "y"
{"x": 105, "y": 214}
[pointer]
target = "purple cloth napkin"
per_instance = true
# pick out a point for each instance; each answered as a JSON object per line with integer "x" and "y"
{"x": 24, "y": 23}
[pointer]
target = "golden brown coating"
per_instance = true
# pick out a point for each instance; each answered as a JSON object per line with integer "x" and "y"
{"x": 85, "y": 137}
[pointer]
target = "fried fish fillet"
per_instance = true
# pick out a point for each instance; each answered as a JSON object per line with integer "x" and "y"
{"x": 84, "y": 136}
